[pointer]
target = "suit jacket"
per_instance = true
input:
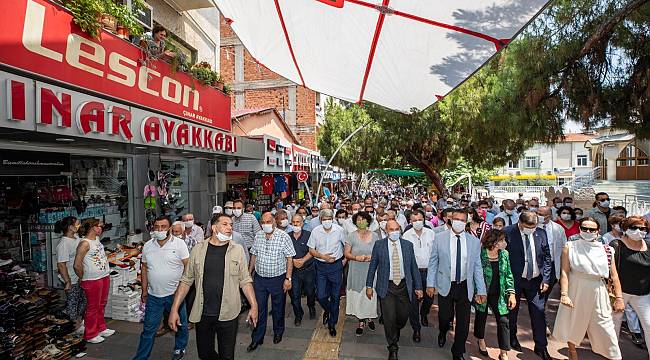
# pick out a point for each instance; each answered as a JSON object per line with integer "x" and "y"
{"x": 559, "y": 240}
{"x": 518, "y": 255}
{"x": 381, "y": 262}
{"x": 439, "y": 273}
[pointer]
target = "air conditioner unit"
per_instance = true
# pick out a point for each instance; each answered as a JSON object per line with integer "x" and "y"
{"x": 144, "y": 16}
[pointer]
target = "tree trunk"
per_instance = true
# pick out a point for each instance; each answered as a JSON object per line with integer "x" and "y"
{"x": 435, "y": 177}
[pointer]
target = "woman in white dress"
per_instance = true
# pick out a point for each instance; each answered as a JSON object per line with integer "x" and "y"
{"x": 358, "y": 250}
{"x": 586, "y": 264}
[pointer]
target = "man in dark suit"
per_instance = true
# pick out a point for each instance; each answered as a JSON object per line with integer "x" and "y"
{"x": 398, "y": 280}
{"x": 530, "y": 260}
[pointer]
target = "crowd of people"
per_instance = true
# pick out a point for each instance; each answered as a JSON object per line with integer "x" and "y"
{"x": 390, "y": 254}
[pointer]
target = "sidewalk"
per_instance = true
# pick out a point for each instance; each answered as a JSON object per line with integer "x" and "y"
{"x": 296, "y": 341}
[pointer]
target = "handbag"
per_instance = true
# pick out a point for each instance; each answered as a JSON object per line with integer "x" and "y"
{"x": 608, "y": 282}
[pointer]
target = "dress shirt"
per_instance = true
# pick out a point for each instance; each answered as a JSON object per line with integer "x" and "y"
{"x": 331, "y": 242}
{"x": 247, "y": 225}
{"x": 314, "y": 222}
{"x": 463, "y": 255}
{"x": 272, "y": 253}
{"x": 504, "y": 216}
{"x": 195, "y": 236}
{"x": 422, "y": 245}
{"x": 390, "y": 259}
{"x": 531, "y": 243}
{"x": 549, "y": 235}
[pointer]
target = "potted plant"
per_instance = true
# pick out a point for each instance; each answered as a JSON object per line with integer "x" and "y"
{"x": 205, "y": 75}
{"x": 92, "y": 15}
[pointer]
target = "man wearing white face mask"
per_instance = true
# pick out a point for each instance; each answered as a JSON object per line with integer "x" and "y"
{"x": 601, "y": 212}
{"x": 455, "y": 272}
{"x": 530, "y": 261}
{"x": 304, "y": 273}
{"x": 509, "y": 215}
{"x": 244, "y": 223}
{"x": 282, "y": 221}
{"x": 326, "y": 245}
{"x": 193, "y": 233}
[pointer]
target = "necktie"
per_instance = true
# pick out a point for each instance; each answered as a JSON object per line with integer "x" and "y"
{"x": 397, "y": 277}
{"x": 509, "y": 219}
{"x": 529, "y": 259}
{"x": 458, "y": 258}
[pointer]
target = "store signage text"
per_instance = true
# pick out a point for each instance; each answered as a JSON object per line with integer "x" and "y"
{"x": 47, "y": 42}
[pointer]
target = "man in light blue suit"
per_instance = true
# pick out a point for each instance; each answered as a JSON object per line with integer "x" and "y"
{"x": 456, "y": 274}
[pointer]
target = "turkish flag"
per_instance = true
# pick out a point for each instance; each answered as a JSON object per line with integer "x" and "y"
{"x": 267, "y": 184}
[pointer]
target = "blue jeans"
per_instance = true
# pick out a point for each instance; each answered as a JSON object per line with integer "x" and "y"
{"x": 328, "y": 285}
{"x": 632, "y": 320}
{"x": 153, "y": 315}
{"x": 265, "y": 287}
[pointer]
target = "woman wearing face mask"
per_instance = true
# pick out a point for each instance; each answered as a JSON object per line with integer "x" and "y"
{"x": 501, "y": 291}
{"x": 358, "y": 248}
{"x": 633, "y": 262}
{"x": 75, "y": 300}
{"x": 585, "y": 304}
{"x": 614, "y": 222}
{"x": 579, "y": 214}
{"x": 477, "y": 225}
{"x": 567, "y": 219}
{"x": 91, "y": 266}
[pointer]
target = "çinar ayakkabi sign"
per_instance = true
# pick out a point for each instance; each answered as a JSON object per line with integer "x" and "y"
{"x": 41, "y": 38}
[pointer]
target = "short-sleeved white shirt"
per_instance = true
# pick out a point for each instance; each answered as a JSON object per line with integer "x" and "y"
{"x": 331, "y": 242}
{"x": 164, "y": 265}
{"x": 66, "y": 251}
{"x": 421, "y": 245}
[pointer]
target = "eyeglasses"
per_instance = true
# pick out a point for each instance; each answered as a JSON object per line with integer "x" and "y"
{"x": 636, "y": 227}
{"x": 589, "y": 230}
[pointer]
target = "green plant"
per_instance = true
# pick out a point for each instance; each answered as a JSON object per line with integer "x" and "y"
{"x": 204, "y": 74}
{"x": 126, "y": 18}
{"x": 86, "y": 14}
{"x": 227, "y": 89}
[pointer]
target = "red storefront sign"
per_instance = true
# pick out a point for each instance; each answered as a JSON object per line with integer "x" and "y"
{"x": 41, "y": 38}
{"x": 300, "y": 158}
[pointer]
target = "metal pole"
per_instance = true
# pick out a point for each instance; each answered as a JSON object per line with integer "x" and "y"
{"x": 320, "y": 183}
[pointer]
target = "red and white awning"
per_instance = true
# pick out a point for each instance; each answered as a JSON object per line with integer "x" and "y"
{"x": 400, "y": 54}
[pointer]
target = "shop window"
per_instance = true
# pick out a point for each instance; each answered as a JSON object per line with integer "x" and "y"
{"x": 173, "y": 189}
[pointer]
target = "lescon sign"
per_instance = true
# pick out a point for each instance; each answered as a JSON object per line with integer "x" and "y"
{"x": 41, "y": 38}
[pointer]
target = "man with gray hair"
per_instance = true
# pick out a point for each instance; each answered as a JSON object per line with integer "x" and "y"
{"x": 194, "y": 234}
{"x": 326, "y": 245}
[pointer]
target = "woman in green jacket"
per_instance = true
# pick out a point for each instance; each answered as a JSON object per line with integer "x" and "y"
{"x": 501, "y": 291}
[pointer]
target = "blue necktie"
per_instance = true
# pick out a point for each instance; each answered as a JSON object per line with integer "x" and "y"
{"x": 529, "y": 259}
{"x": 458, "y": 257}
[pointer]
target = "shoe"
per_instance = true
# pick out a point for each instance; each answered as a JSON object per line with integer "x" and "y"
{"x": 253, "y": 346}
{"x": 442, "y": 339}
{"x": 458, "y": 357}
{"x": 277, "y": 339}
{"x": 416, "y": 336}
{"x": 96, "y": 340}
{"x": 482, "y": 352}
{"x": 178, "y": 354}
{"x": 106, "y": 333}
{"x": 312, "y": 313}
{"x": 326, "y": 317}
{"x": 359, "y": 331}
{"x": 371, "y": 325}
{"x": 637, "y": 339}
{"x": 515, "y": 345}
{"x": 543, "y": 353}
{"x": 297, "y": 322}
{"x": 392, "y": 355}
{"x": 424, "y": 320}
{"x": 332, "y": 331}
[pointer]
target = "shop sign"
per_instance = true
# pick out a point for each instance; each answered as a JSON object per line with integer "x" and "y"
{"x": 302, "y": 176}
{"x": 42, "y": 38}
{"x": 287, "y": 162}
{"x": 270, "y": 144}
{"x": 271, "y": 161}
{"x": 25, "y": 163}
{"x": 30, "y": 105}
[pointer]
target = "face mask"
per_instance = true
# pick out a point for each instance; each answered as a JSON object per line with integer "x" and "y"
{"x": 558, "y": 205}
{"x": 237, "y": 212}
{"x": 159, "y": 235}
{"x": 541, "y": 221}
{"x": 394, "y": 235}
{"x": 362, "y": 225}
{"x": 340, "y": 221}
{"x": 223, "y": 237}
{"x": 528, "y": 231}
{"x": 533, "y": 209}
{"x": 636, "y": 235}
{"x": 458, "y": 226}
{"x": 501, "y": 245}
{"x": 284, "y": 223}
{"x": 568, "y": 204}
{"x": 588, "y": 236}
{"x": 604, "y": 204}
{"x": 428, "y": 214}
{"x": 303, "y": 217}
{"x": 509, "y": 212}
{"x": 228, "y": 212}
{"x": 189, "y": 223}
{"x": 418, "y": 225}
{"x": 314, "y": 214}
{"x": 268, "y": 228}
{"x": 565, "y": 217}
{"x": 579, "y": 217}
{"x": 296, "y": 229}
{"x": 327, "y": 224}
{"x": 382, "y": 224}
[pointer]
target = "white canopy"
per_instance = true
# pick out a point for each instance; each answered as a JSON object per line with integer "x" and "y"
{"x": 399, "y": 54}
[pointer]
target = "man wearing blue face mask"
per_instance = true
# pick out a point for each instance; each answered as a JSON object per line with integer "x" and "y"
{"x": 304, "y": 272}
{"x": 601, "y": 212}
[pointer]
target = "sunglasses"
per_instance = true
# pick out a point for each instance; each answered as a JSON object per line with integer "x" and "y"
{"x": 586, "y": 229}
{"x": 635, "y": 227}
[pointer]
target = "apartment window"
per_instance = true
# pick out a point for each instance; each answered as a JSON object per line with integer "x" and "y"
{"x": 513, "y": 164}
{"x": 581, "y": 160}
{"x": 531, "y": 162}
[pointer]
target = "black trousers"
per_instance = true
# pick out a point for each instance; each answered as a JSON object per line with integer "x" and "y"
{"x": 395, "y": 309}
{"x": 536, "y": 305}
{"x": 420, "y": 309}
{"x": 303, "y": 280}
{"x": 226, "y": 336}
{"x": 455, "y": 303}
{"x": 503, "y": 323}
